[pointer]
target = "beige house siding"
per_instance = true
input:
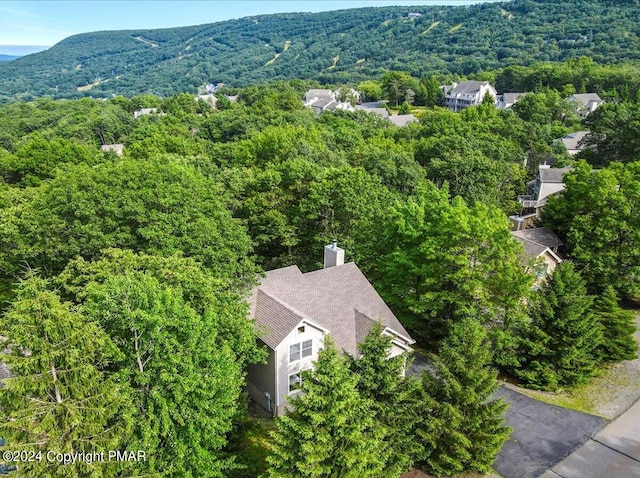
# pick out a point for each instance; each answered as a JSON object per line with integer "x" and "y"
{"x": 287, "y": 368}
{"x": 261, "y": 379}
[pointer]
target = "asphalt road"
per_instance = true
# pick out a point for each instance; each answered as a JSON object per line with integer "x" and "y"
{"x": 542, "y": 435}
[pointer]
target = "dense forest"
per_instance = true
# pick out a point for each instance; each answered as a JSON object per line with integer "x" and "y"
{"x": 140, "y": 265}
{"x": 331, "y": 47}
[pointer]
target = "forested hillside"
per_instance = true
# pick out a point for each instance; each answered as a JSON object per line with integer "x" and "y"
{"x": 331, "y": 47}
{"x": 140, "y": 265}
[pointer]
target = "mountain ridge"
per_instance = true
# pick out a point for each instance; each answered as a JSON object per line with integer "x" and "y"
{"x": 331, "y": 47}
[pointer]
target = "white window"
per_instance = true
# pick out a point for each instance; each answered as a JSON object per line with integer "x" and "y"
{"x": 307, "y": 348}
{"x": 300, "y": 350}
{"x": 294, "y": 382}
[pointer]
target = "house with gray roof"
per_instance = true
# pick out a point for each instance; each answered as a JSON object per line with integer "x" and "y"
{"x": 295, "y": 311}
{"x": 541, "y": 251}
{"x": 507, "y": 100}
{"x": 320, "y": 100}
{"x": 382, "y": 112}
{"x": 146, "y": 112}
{"x": 459, "y": 96}
{"x": 548, "y": 182}
{"x": 574, "y": 142}
{"x": 585, "y": 103}
{"x": 402, "y": 120}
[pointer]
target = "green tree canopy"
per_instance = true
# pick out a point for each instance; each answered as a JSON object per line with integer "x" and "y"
{"x": 151, "y": 206}
{"x": 330, "y": 430}
{"x": 614, "y": 134}
{"x": 60, "y": 398}
{"x": 439, "y": 260}
{"x": 466, "y": 429}
{"x": 596, "y": 217}
{"x": 560, "y": 347}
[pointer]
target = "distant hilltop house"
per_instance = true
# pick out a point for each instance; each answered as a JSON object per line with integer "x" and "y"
{"x": 210, "y": 99}
{"x": 548, "y": 182}
{"x": 320, "y": 100}
{"x": 459, "y": 96}
{"x": 147, "y": 111}
{"x": 116, "y": 148}
{"x": 574, "y": 142}
{"x": 541, "y": 251}
{"x": 414, "y": 15}
{"x": 507, "y": 100}
{"x": 585, "y": 103}
{"x": 295, "y": 311}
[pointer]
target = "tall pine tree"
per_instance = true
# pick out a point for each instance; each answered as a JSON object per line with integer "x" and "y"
{"x": 560, "y": 347}
{"x": 58, "y": 399}
{"x": 618, "y": 327}
{"x": 331, "y": 430}
{"x": 395, "y": 399}
{"x": 466, "y": 429}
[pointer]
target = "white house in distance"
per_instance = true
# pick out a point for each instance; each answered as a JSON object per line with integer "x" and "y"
{"x": 146, "y": 112}
{"x": 549, "y": 181}
{"x": 459, "y": 96}
{"x": 320, "y": 100}
{"x": 116, "y": 148}
{"x": 541, "y": 251}
{"x": 585, "y": 103}
{"x": 573, "y": 142}
{"x": 507, "y": 100}
{"x": 295, "y": 311}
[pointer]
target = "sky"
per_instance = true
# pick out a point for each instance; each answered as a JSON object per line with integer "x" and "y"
{"x": 49, "y": 21}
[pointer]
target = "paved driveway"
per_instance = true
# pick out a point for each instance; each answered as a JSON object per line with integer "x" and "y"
{"x": 542, "y": 435}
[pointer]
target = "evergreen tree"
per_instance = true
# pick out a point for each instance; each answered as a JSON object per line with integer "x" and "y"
{"x": 560, "y": 347}
{"x": 58, "y": 399}
{"x": 394, "y": 399}
{"x": 331, "y": 430}
{"x": 466, "y": 430}
{"x": 618, "y": 327}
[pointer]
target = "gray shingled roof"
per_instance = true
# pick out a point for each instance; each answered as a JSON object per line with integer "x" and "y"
{"x": 376, "y": 111}
{"x": 539, "y": 235}
{"x": 319, "y": 93}
{"x": 340, "y": 298}
{"x": 572, "y": 140}
{"x": 553, "y": 175}
{"x": 585, "y": 98}
{"x": 323, "y": 103}
{"x": 401, "y": 120}
{"x": 467, "y": 87}
{"x": 511, "y": 97}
